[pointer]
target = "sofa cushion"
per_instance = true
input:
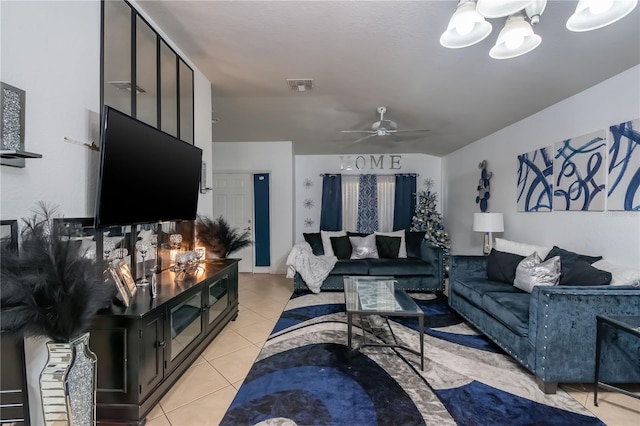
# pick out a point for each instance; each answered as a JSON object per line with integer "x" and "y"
{"x": 388, "y": 247}
{"x": 413, "y": 240}
{"x": 364, "y": 247}
{"x": 569, "y": 258}
{"x": 403, "y": 244}
{"x": 326, "y": 240}
{"x": 584, "y": 274}
{"x": 358, "y": 234}
{"x": 501, "y": 266}
{"x": 511, "y": 309}
{"x": 400, "y": 267}
{"x": 532, "y": 272}
{"x": 473, "y": 289}
{"x": 341, "y": 247}
{"x": 620, "y": 275}
{"x": 350, "y": 267}
{"x": 315, "y": 241}
{"x": 520, "y": 248}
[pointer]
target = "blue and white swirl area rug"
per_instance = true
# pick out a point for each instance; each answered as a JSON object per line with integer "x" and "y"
{"x": 301, "y": 375}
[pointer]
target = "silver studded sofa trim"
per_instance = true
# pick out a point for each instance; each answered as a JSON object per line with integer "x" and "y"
{"x": 560, "y": 343}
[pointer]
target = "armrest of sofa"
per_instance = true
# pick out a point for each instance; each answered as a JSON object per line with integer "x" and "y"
{"x": 434, "y": 256}
{"x": 468, "y": 267}
{"x": 562, "y": 325}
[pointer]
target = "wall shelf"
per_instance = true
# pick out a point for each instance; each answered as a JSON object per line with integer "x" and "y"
{"x": 15, "y": 158}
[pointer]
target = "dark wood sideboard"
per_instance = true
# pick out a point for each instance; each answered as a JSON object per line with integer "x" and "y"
{"x": 144, "y": 349}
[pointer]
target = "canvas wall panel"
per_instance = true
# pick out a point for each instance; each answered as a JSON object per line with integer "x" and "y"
{"x": 579, "y": 173}
{"x": 624, "y": 166}
{"x": 535, "y": 181}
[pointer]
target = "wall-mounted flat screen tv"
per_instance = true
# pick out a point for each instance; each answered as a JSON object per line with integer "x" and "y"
{"x": 146, "y": 175}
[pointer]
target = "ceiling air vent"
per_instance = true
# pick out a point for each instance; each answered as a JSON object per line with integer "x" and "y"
{"x": 300, "y": 84}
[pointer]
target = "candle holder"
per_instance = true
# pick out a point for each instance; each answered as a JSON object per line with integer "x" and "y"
{"x": 175, "y": 241}
{"x": 154, "y": 245}
{"x": 143, "y": 248}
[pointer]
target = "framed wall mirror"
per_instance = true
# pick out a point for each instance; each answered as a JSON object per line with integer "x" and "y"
{"x": 9, "y": 234}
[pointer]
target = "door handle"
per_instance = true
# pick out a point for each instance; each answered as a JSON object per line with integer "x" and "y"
{"x": 248, "y": 228}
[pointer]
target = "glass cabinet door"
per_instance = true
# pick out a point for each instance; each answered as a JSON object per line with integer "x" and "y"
{"x": 186, "y": 324}
{"x": 168, "y": 90}
{"x": 117, "y": 55}
{"x": 146, "y": 73}
{"x": 217, "y": 299}
{"x": 186, "y": 102}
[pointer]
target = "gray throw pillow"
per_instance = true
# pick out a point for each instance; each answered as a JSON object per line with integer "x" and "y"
{"x": 532, "y": 272}
{"x": 364, "y": 247}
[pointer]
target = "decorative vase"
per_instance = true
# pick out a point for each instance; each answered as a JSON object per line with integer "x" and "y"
{"x": 68, "y": 383}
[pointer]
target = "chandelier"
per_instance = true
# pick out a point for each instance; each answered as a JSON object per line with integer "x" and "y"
{"x": 468, "y": 25}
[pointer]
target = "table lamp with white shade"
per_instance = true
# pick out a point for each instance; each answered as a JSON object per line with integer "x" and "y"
{"x": 488, "y": 223}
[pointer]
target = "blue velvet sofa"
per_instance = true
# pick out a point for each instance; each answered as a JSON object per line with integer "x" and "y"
{"x": 412, "y": 274}
{"x": 552, "y": 331}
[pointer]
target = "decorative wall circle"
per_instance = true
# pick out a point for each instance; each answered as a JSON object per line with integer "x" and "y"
{"x": 483, "y": 187}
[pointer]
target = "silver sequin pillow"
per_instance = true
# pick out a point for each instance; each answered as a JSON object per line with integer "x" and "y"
{"x": 532, "y": 271}
{"x": 364, "y": 247}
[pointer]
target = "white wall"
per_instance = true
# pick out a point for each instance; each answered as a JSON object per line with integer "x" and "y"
{"x": 275, "y": 158}
{"x": 52, "y": 51}
{"x": 311, "y": 166}
{"x": 614, "y": 235}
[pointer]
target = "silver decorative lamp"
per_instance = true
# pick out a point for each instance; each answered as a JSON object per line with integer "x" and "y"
{"x": 488, "y": 223}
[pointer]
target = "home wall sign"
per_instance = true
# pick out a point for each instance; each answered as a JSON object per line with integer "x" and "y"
{"x": 370, "y": 162}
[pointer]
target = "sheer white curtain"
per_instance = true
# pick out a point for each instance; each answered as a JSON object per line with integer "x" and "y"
{"x": 350, "y": 186}
{"x": 386, "y": 198}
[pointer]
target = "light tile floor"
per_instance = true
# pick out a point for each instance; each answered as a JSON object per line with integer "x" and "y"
{"x": 205, "y": 391}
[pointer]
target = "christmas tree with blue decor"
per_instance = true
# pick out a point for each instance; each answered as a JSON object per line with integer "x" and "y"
{"x": 428, "y": 219}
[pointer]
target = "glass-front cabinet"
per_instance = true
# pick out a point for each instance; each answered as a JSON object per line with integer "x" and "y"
{"x": 217, "y": 300}
{"x": 185, "y": 327}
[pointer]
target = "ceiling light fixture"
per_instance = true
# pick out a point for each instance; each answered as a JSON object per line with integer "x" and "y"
{"x": 594, "y": 14}
{"x": 515, "y": 39}
{"x": 468, "y": 26}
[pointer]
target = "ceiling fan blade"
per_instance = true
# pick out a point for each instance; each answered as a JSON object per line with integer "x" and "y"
{"x": 363, "y": 138}
{"x": 357, "y": 131}
{"x": 407, "y": 131}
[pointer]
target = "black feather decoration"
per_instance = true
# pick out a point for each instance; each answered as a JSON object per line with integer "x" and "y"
{"x": 219, "y": 237}
{"x": 50, "y": 288}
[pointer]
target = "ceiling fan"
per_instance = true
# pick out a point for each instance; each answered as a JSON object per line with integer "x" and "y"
{"x": 381, "y": 127}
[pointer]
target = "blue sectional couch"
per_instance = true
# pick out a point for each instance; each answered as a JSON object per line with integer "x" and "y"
{"x": 413, "y": 274}
{"x": 552, "y": 330}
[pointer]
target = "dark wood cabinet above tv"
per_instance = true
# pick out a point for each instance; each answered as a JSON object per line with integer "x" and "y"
{"x": 144, "y": 349}
{"x": 142, "y": 75}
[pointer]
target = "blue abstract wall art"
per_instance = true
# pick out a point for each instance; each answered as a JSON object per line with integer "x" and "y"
{"x": 624, "y": 166}
{"x": 535, "y": 181}
{"x": 579, "y": 173}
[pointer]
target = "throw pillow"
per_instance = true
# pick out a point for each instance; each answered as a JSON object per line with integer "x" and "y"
{"x": 533, "y": 272}
{"x": 520, "y": 248}
{"x": 341, "y": 247}
{"x": 315, "y": 241}
{"x": 620, "y": 275}
{"x": 364, "y": 247}
{"x": 568, "y": 258}
{"x": 501, "y": 266}
{"x": 403, "y": 245}
{"x": 388, "y": 247}
{"x": 358, "y": 234}
{"x": 413, "y": 240}
{"x": 326, "y": 240}
{"x": 582, "y": 273}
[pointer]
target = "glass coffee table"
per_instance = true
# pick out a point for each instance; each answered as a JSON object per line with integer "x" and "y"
{"x": 369, "y": 295}
{"x": 628, "y": 324}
